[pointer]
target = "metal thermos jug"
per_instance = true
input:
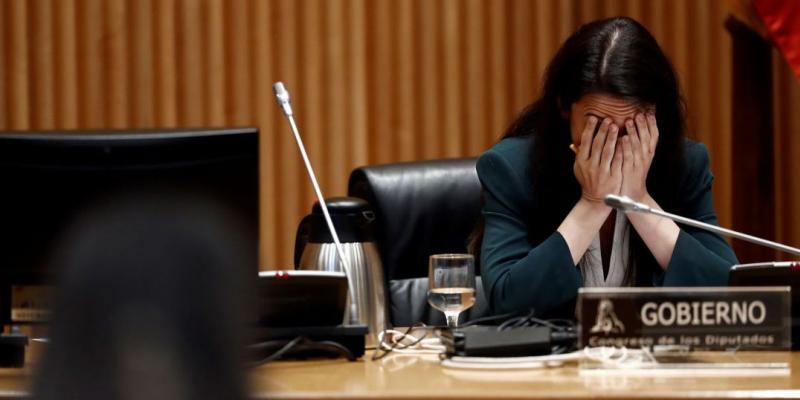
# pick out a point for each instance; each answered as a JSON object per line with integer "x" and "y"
{"x": 352, "y": 217}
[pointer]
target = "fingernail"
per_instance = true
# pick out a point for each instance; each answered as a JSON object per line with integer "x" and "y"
{"x": 607, "y": 121}
{"x": 614, "y": 128}
{"x": 592, "y": 120}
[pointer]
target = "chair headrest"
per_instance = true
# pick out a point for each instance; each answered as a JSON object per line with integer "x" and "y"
{"x": 421, "y": 208}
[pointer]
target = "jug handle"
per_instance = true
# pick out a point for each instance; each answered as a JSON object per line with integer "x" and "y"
{"x": 301, "y": 238}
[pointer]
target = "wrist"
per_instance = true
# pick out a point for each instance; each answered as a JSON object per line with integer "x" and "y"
{"x": 592, "y": 204}
{"x": 643, "y": 197}
{"x": 582, "y": 224}
{"x": 639, "y": 196}
{"x": 591, "y": 211}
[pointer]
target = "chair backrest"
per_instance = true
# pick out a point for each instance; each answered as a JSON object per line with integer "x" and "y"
{"x": 421, "y": 208}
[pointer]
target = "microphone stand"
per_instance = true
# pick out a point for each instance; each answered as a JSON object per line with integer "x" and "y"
{"x": 626, "y": 204}
{"x": 284, "y": 101}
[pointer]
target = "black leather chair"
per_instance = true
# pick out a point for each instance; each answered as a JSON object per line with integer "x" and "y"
{"x": 421, "y": 208}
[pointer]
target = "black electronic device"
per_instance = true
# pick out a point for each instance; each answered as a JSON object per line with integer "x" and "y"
{"x": 50, "y": 178}
{"x": 489, "y": 341}
{"x": 297, "y": 298}
{"x": 318, "y": 341}
{"x": 780, "y": 273}
{"x": 301, "y": 312}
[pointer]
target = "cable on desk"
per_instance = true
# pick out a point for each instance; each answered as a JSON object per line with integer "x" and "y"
{"x": 490, "y": 318}
{"x": 388, "y": 343}
{"x": 299, "y": 344}
{"x": 391, "y": 340}
{"x": 529, "y": 319}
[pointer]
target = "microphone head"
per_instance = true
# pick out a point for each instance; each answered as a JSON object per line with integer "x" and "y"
{"x": 281, "y": 94}
{"x": 623, "y": 203}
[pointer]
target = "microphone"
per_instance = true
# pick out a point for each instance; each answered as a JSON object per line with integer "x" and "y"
{"x": 283, "y": 100}
{"x": 626, "y": 204}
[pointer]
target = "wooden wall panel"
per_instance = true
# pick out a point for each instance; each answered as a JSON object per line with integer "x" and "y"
{"x": 17, "y": 64}
{"x": 4, "y": 74}
{"x": 42, "y": 105}
{"x": 372, "y": 80}
{"x": 166, "y": 65}
{"x": 786, "y": 98}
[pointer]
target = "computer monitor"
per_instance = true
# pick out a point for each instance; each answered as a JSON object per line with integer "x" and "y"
{"x": 49, "y": 178}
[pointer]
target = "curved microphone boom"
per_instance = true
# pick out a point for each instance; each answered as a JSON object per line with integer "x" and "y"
{"x": 625, "y": 203}
{"x": 284, "y": 101}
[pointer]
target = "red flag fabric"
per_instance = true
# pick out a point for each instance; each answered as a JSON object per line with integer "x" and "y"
{"x": 782, "y": 20}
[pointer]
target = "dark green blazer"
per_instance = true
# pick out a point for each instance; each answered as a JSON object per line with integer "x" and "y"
{"x": 519, "y": 275}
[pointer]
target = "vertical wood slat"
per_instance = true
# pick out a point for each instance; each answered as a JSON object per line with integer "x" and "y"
{"x": 43, "y": 103}
{"x": 310, "y": 94}
{"x": 18, "y": 74}
{"x": 723, "y": 152}
{"x": 291, "y": 181}
{"x": 779, "y": 94}
{"x": 190, "y": 80}
{"x": 544, "y": 50}
{"x": 475, "y": 104}
{"x": 336, "y": 106}
{"x": 115, "y": 62}
{"x": 4, "y": 75}
{"x": 91, "y": 75}
{"x": 140, "y": 39}
{"x": 66, "y": 65}
{"x": 404, "y": 37}
{"x": 380, "y": 114}
{"x": 359, "y": 139}
{"x": 430, "y": 101}
{"x": 451, "y": 79}
{"x": 373, "y": 81}
{"x": 566, "y": 22}
{"x": 165, "y": 64}
{"x": 752, "y": 136}
{"x": 499, "y": 66}
{"x": 238, "y": 76}
{"x": 522, "y": 78}
{"x": 786, "y": 95}
{"x": 213, "y": 61}
{"x": 264, "y": 117}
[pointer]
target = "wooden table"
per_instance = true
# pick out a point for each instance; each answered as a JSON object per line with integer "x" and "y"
{"x": 422, "y": 377}
{"x": 415, "y": 377}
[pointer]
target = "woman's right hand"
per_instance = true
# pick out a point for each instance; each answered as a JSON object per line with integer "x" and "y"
{"x": 598, "y": 164}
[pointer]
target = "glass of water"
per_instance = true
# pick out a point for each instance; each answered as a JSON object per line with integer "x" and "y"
{"x": 451, "y": 284}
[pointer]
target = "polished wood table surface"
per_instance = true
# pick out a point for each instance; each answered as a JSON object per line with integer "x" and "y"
{"x": 422, "y": 377}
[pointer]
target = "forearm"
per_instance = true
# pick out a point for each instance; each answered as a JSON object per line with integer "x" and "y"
{"x": 659, "y": 234}
{"x": 543, "y": 279}
{"x": 581, "y": 225}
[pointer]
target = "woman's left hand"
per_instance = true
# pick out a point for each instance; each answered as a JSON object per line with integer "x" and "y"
{"x": 638, "y": 149}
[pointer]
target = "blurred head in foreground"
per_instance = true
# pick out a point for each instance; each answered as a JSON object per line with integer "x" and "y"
{"x": 150, "y": 303}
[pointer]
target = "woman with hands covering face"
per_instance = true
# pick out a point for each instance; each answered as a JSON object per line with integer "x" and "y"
{"x": 610, "y": 120}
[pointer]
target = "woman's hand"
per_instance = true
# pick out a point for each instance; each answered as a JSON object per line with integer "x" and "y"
{"x": 638, "y": 149}
{"x": 659, "y": 234}
{"x": 598, "y": 168}
{"x": 598, "y": 164}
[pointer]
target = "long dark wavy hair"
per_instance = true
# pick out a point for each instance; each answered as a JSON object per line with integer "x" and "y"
{"x": 616, "y": 57}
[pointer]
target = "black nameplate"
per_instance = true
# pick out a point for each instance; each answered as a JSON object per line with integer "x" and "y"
{"x": 753, "y": 318}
